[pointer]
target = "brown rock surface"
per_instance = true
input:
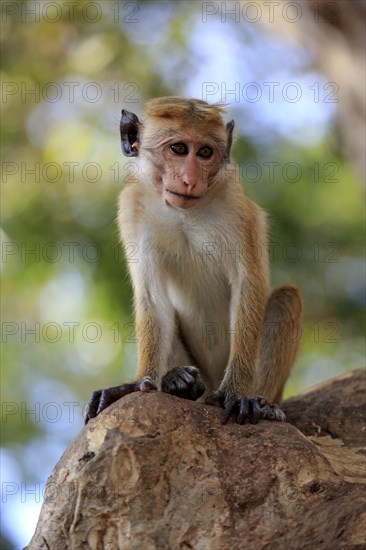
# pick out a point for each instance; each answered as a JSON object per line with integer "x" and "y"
{"x": 157, "y": 472}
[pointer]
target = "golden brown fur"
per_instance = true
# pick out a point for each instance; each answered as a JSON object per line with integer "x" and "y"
{"x": 179, "y": 288}
{"x": 201, "y": 272}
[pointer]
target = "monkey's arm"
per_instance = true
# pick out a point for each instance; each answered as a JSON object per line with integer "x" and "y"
{"x": 154, "y": 333}
{"x": 235, "y": 394}
{"x": 155, "y": 328}
{"x": 246, "y": 321}
{"x": 147, "y": 371}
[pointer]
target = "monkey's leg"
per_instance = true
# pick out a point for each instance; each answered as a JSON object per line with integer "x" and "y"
{"x": 101, "y": 399}
{"x": 280, "y": 342}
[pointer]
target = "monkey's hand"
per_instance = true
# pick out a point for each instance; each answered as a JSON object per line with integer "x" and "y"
{"x": 183, "y": 382}
{"x": 246, "y": 408}
{"x": 101, "y": 399}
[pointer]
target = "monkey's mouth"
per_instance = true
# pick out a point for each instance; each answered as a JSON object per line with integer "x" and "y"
{"x": 184, "y": 197}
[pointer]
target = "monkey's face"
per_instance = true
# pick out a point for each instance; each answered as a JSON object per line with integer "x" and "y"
{"x": 188, "y": 166}
{"x": 183, "y": 144}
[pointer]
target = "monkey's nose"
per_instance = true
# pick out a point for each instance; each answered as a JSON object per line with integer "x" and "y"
{"x": 190, "y": 187}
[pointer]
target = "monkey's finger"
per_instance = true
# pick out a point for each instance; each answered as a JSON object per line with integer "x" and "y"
{"x": 184, "y": 382}
{"x": 254, "y": 411}
{"x": 146, "y": 385}
{"x": 243, "y": 409}
{"x": 262, "y": 401}
{"x": 228, "y": 410}
{"x": 92, "y": 406}
{"x": 272, "y": 412}
{"x": 199, "y": 389}
{"x": 110, "y": 395}
{"x": 192, "y": 371}
{"x": 194, "y": 386}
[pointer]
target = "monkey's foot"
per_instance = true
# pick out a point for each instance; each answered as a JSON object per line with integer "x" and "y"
{"x": 183, "y": 382}
{"x": 246, "y": 408}
{"x": 101, "y": 399}
{"x": 270, "y": 411}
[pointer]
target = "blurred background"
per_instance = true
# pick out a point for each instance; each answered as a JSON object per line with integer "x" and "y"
{"x": 292, "y": 76}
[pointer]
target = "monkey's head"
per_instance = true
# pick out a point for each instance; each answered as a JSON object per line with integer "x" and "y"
{"x": 186, "y": 144}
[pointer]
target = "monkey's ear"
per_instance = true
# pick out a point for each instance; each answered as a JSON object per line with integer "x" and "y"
{"x": 129, "y": 128}
{"x": 229, "y": 131}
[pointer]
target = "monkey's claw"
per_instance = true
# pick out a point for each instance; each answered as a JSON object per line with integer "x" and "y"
{"x": 101, "y": 399}
{"x": 246, "y": 408}
{"x": 243, "y": 408}
{"x": 183, "y": 382}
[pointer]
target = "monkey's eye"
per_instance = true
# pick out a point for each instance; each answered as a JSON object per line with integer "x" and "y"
{"x": 205, "y": 152}
{"x": 179, "y": 148}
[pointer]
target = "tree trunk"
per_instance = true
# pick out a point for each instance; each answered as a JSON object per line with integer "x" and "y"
{"x": 157, "y": 472}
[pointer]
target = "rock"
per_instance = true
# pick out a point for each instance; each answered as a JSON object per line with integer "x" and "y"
{"x": 157, "y": 472}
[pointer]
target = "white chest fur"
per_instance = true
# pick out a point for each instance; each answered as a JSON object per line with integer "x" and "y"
{"x": 197, "y": 262}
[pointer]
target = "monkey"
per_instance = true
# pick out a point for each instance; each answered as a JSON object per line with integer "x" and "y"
{"x": 208, "y": 327}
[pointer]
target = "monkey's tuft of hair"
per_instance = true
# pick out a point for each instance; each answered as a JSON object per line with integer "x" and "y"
{"x": 187, "y": 111}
